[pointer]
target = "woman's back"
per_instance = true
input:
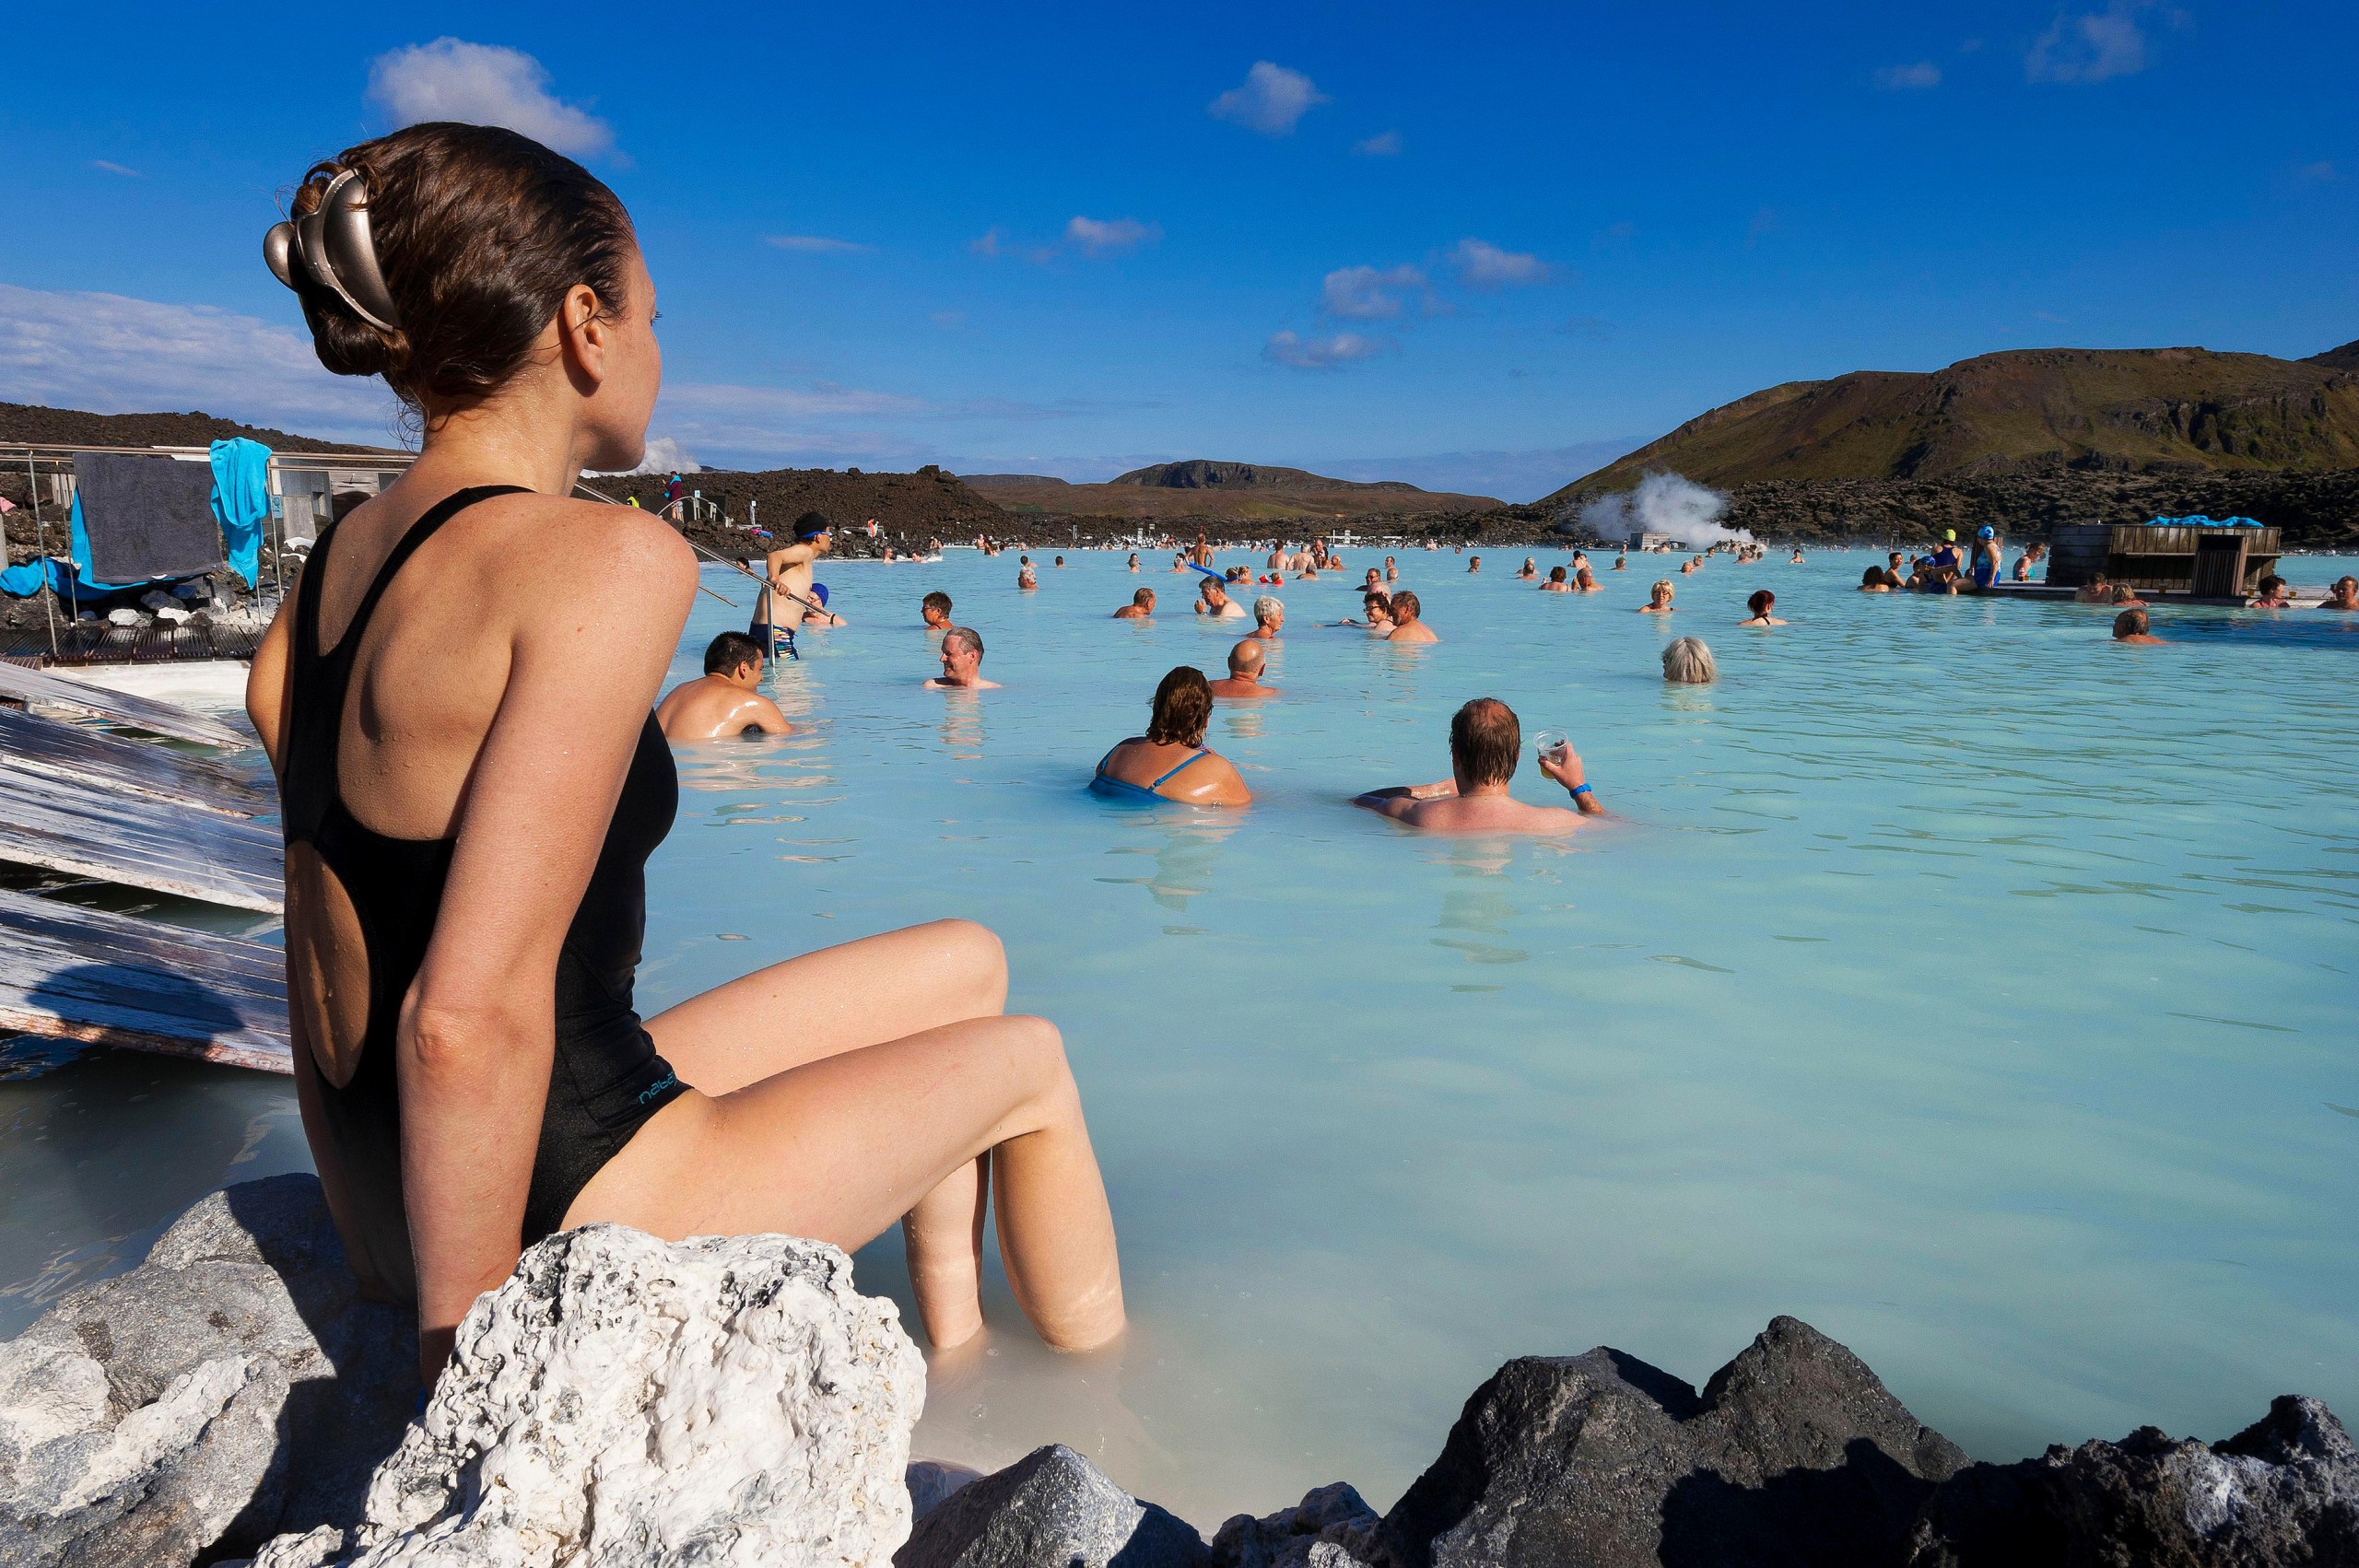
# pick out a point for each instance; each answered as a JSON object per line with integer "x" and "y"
{"x": 385, "y": 710}
{"x": 1190, "y": 775}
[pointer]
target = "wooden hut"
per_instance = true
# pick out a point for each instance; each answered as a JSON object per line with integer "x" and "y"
{"x": 2202, "y": 559}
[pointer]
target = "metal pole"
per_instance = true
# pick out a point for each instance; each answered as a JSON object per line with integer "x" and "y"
{"x": 41, "y": 543}
{"x": 277, "y": 550}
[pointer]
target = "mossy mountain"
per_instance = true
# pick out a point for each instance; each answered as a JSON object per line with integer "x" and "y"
{"x": 2022, "y": 412}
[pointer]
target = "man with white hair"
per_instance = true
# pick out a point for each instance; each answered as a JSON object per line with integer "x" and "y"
{"x": 962, "y": 663}
{"x": 1243, "y": 681}
{"x": 1269, "y": 617}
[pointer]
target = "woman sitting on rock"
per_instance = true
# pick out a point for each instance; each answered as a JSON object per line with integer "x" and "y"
{"x": 472, "y": 783}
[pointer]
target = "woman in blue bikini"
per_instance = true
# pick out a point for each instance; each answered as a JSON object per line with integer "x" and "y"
{"x": 1169, "y": 762}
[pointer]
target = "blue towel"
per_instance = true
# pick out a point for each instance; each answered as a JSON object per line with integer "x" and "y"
{"x": 240, "y": 501}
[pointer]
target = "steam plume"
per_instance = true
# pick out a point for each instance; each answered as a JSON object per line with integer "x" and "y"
{"x": 1663, "y": 503}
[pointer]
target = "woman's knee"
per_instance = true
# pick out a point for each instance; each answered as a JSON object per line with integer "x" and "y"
{"x": 1037, "y": 1047}
{"x": 974, "y": 953}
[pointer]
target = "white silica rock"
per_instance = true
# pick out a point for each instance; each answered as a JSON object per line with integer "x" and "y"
{"x": 623, "y": 1401}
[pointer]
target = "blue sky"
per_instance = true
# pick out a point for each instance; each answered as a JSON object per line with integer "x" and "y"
{"x": 1483, "y": 246}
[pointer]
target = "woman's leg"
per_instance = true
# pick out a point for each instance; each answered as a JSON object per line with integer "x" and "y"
{"x": 839, "y": 999}
{"x": 841, "y": 1147}
{"x": 880, "y": 987}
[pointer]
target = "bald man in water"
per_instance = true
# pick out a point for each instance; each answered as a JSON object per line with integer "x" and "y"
{"x": 1244, "y": 679}
{"x": 1486, "y": 743}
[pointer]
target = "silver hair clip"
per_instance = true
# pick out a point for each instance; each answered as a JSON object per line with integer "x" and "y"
{"x": 332, "y": 243}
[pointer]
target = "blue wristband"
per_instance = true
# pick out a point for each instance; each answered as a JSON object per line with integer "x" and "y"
{"x": 1582, "y": 789}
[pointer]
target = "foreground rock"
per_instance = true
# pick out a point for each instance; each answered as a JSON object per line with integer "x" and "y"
{"x": 1050, "y": 1509}
{"x": 2285, "y": 1489}
{"x": 1331, "y": 1527}
{"x": 157, "y": 1415}
{"x": 724, "y": 1400}
{"x": 621, "y": 1401}
{"x": 1793, "y": 1453}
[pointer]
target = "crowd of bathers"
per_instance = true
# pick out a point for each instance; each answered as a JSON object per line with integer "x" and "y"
{"x": 1169, "y": 760}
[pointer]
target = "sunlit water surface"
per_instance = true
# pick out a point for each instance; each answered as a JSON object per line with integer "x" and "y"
{"x": 1971, "y": 987}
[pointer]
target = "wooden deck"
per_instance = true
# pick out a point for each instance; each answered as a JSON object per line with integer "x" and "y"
{"x": 117, "y": 707}
{"x": 95, "y": 642}
{"x": 79, "y": 754}
{"x": 77, "y": 973}
{"x": 138, "y": 841}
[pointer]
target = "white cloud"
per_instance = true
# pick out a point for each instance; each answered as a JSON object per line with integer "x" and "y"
{"x": 482, "y": 84}
{"x": 115, "y": 169}
{"x": 816, "y": 245}
{"x": 1320, "y": 352}
{"x": 1481, "y": 264}
{"x": 2091, "y": 47}
{"x": 114, "y": 354}
{"x": 1111, "y": 236}
{"x": 1369, "y": 294}
{"x": 1903, "y": 78}
{"x": 1270, "y": 100}
{"x": 1384, "y": 144}
{"x": 994, "y": 241}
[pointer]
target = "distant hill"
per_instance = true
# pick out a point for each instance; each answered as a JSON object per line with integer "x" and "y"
{"x": 2022, "y": 412}
{"x": 1200, "y": 488}
{"x": 31, "y": 424}
{"x": 912, "y": 507}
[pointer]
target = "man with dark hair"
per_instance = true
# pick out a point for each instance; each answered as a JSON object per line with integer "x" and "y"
{"x": 962, "y": 663}
{"x": 935, "y": 609}
{"x": 1406, "y": 625}
{"x": 1485, "y": 743}
{"x": 724, "y": 700}
{"x": 1140, "y": 608}
{"x": 1243, "y": 681}
{"x": 1212, "y": 599}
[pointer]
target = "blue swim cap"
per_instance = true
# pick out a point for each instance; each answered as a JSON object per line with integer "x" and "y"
{"x": 819, "y": 592}
{"x": 1985, "y": 532}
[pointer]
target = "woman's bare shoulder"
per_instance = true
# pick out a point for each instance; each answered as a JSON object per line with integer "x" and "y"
{"x": 595, "y": 544}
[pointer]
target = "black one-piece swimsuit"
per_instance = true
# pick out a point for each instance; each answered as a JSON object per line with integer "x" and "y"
{"x": 606, "y": 1079}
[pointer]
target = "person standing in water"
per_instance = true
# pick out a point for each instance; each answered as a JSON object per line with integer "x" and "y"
{"x": 1140, "y": 608}
{"x": 934, "y": 611}
{"x": 471, "y": 787}
{"x": 785, "y": 596}
{"x": 1986, "y": 556}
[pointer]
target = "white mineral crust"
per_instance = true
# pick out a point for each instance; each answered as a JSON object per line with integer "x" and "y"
{"x": 623, "y": 1401}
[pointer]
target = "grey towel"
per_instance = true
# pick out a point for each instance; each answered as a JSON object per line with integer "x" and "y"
{"x": 147, "y": 517}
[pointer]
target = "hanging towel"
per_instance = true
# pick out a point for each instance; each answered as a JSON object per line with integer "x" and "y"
{"x": 241, "y": 501}
{"x": 143, "y": 518}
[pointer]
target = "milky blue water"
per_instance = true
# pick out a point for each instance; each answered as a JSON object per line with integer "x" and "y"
{"x": 1974, "y": 988}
